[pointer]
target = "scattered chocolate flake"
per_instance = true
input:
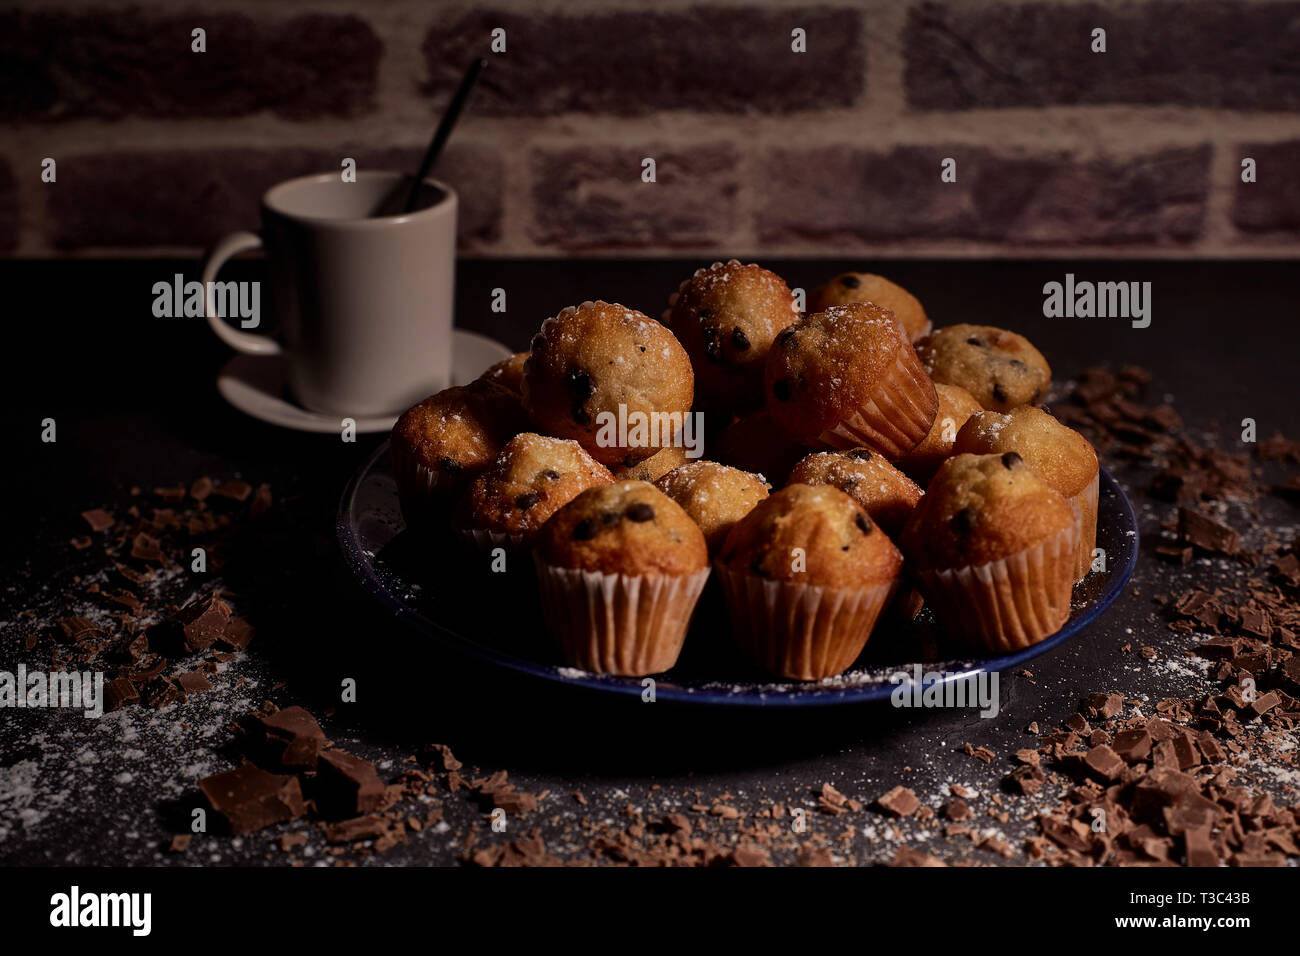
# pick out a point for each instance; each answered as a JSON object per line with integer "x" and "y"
{"x": 98, "y": 519}
{"x": 899, "y": 802}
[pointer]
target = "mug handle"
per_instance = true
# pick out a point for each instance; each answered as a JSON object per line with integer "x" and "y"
{"x": 228, "y": 247}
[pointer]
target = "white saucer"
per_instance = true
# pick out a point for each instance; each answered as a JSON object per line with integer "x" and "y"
{"x": 254, "y": 384}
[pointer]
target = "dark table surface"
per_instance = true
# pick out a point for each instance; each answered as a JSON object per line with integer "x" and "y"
{"x": 135, "y": 405}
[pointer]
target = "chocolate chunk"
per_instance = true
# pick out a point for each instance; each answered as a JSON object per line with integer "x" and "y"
{"x": 1025, "y": 780}
{"x": 145, "y": 548}
{"x": 859, "y": 454}
{"x": 1104, "y": 762}
{"x": 98, "y": 519}
{"x": 293, "y": 737}
{"x": 850, "y": 281}
{"x": 202, "y": 621}
{"x": 237, "y": 635}
{"x": 999, "y": 393}
{"x": 899, "y": 802}
{"x": 1011, "y": 459}
{"x": 527, "y": 500}
{"x": 349, "y": 785}
{"x": 863, "y": 523}
{"x": 368, "y": 827}
{"x": 234, "y": 489}
{"x": 550, "y": 474}
{"x": 640, "y": 512}
{"x": 79, "y": 629}
{"x": 1133, "y": 745}
{"x": 739, "y": 340}
{"x": 977, "y": 342}
{"x": 584, "y": 530}
{"x": 193, "y": 682}
{"x": 201, "y": 488}
{"x": 1205, "y": 533}
{"x": 118, "y": 693}
{"x": 580, "y": 388}
{"x": 248, "y": 798}
{"x": 781, "y": 390}
{"x": 1102, "y": 706}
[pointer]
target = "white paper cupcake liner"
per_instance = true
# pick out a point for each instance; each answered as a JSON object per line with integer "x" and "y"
{"x": 897, "y": 416}
{"x": 1010, "y": 604}
{"x": 629, "y": 625}
{"x": 800, "y": 631}
{"x": 418, "y": 488}
{"x": 1085, "y": 502}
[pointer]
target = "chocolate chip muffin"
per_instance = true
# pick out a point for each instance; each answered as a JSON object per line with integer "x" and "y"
{"x": 754, "y": 444}
{"x": 1059, "y": 455}
{"x": 883, "y": 492}
{"x": 593, "y": 358}
{"x": 956, "y": 405}
{"x": 726, "y": 317}
{"x": 439, "y": 445}
{"x": 868, "y": 287}
{"x": 508, "y": 373}
{"x": 848, "y": 377}
{"x": 992, "y": 547}
{"x": 655, "y": 467}
{"x": 999, "y": 368}
{"x": 531, "y": 479}
{"x": 714, "y": 495}
{"x": 805, "y": 576}
{"x": 620, "y": 569}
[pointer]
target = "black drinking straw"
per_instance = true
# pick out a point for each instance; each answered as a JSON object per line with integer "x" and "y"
{"x": 445, "y": 126}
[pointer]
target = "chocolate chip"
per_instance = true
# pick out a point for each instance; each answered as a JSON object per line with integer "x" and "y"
{"x": 964, "y": 521}
{"x": 704, "y": 313}
{"x": 450, "y": 465}
{"x": 527, "y": 500}
{"x": 999, "y": 394}
{"x": 781, "y": 389}
{"x": 610, "y": 517}
{"x": 860, "y": 454}
{"x": 640, "y": 512}
{"x": 739, "y": 339}
{"x": 863, "y": 522}
{"x": 550, "y": 474}
{"x": 580, "y": 388}
{"x": 785, "y": 335}
{"x": 584, "y": 530}
{"x": 1017, "y": 364}
{"x": 536, "y": 343}
{"x": 713, "y": 349}
{"x": 1011, "y": 459}
{"x": 850, "y": 281}
{"x": 977, "y": 342}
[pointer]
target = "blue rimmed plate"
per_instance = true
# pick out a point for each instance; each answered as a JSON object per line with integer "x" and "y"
{"x": 436, "y": 588}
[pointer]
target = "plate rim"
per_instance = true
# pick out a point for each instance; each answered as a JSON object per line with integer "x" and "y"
{"x": 822, "y": 696}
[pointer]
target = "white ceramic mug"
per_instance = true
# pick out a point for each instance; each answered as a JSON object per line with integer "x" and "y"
{"x": 361, "y": 294}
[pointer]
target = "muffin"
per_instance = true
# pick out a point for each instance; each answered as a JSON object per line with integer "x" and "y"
{"x": 1059, "y": 455}
{"x": 620, "y": 569}
{"x": 508, "y": 373}
{"x": 1000, "y": 369}
{"x": 847, "y": 377}
{"x": 805, "y": 576}
{"x": 610, "y": 378}
{"x": 992, "y": 547}
{"x": 755, "y": 445}
{"x": 882, "y": 491}
{"x": 532, "y": 478}
{"x": 714, "y": 495}
{"x": 956, "y": 405}
{"x": 655, "y": 467}
{"x": 439, "y": 445}
{"x": 868, "y": 287}
{"x": 726, "y": 317}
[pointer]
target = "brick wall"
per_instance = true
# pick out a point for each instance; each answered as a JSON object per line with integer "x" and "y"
{"x": 759, "y": 150}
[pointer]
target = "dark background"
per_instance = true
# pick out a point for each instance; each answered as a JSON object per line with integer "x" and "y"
{"x": 135, "y": 402}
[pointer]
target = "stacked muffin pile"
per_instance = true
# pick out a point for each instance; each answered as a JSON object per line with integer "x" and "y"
{"x": 566, "y": 451}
